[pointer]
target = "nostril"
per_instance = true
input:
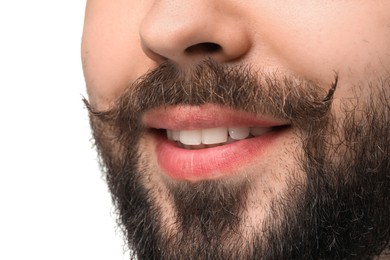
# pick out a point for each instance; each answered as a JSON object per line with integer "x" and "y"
{"x": 204, "y": 48}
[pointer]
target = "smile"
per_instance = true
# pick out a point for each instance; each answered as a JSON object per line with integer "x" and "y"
{"x": 209, "y": 142}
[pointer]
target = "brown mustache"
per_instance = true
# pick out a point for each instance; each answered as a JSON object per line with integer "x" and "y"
{"x": 238, "y": 87}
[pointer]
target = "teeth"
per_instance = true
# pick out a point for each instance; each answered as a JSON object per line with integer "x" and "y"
{"x": 214, "y": 135}
{"x": 169, "y": 134}
{"x": 239, "y": 133}
{"x": 176, "y": 135}
{"x": 257, "y": 131}
{"x": 173, "y": 135}
{"x": 191, "y": 137}
{"x": 196, "y": 139}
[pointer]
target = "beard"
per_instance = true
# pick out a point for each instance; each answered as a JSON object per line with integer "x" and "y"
{"x": 336, "y": 206}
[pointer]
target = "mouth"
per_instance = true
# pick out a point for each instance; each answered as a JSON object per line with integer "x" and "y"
{"x": 209, "y": 142}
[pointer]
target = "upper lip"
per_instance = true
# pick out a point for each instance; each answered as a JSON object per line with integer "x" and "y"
{"x": 203, "y": 117}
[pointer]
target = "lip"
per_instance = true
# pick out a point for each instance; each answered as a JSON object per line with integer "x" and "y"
{"x": 208, "y": 163}
{"x": 203, "y": 117}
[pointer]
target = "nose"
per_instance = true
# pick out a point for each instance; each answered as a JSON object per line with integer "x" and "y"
{"x": 187, "y": 31}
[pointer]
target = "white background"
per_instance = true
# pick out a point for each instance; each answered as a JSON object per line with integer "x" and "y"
{"x": 54, "y": 203}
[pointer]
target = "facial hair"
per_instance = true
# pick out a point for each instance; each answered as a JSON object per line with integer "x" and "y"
{"x": 341, "y": 211}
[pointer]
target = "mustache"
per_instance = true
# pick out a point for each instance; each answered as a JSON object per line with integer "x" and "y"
{"x": 238, "y": 87}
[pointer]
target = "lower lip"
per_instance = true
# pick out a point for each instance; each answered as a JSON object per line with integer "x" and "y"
{"x": 210, "y": 163}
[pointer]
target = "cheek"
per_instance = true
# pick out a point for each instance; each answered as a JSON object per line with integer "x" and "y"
{"x": 316, "y": 39}
{"x": 111, "y": 52}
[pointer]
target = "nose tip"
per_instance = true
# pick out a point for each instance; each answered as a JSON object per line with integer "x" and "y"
{"x": 187, "y": 33}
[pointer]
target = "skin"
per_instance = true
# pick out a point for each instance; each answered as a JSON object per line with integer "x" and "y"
{"x": 124, "y": 39}
{"x": 311, "y": 39}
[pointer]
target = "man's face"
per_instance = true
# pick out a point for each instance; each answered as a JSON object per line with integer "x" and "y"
{"x": 243, "y": 129}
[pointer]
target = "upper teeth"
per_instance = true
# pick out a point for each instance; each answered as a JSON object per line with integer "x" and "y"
{"x": 215, "y": 135}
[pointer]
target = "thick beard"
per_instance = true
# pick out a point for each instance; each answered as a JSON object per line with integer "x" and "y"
{"x": 344, "y": 210}
{"x": 341, "y": 211}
